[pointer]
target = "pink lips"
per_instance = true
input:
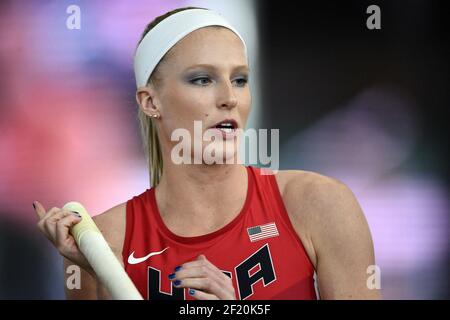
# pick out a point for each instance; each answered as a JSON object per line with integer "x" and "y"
{"x": 227, "y": 128}
{"x": 231, "y": 121}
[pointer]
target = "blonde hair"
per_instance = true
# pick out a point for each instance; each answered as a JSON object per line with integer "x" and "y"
{"x": 149, "y": 134}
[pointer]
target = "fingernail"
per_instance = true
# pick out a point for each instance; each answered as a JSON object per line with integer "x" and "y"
{"x": 177, "y": 282}
{"x": 76, "y": 214}
{"x": 177, "y": 268}
{"x": 191, "y": 292}
{"x": 172, "y": 276}
{"x": 34, "y": 206}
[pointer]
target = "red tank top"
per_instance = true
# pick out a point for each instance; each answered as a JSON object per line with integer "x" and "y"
{"x": 259, "y": 249}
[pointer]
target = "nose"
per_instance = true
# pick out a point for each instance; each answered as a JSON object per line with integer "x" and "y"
{"x": 226, "y": 98}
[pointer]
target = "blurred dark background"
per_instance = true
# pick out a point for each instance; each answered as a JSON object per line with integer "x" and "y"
{"x": 319, "y": 54}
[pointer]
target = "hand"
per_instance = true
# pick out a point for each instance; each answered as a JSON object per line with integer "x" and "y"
{"x": 55, "y": 224}
{"x": 204, "y": 280}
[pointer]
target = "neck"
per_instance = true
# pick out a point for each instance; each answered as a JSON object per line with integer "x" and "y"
{"x": 206, "y": 196}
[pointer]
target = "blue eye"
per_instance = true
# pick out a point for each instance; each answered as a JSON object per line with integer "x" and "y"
{"x": 202, "y": 81}
{"x": 206, "y": 80}
{"x": 241, "y": 82}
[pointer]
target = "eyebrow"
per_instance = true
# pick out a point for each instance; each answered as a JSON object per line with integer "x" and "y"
{"x": 210, "y": 66}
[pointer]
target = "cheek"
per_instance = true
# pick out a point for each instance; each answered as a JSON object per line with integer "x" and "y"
{"x": 246, "y": 105}
{"x": 188, "y": 100}
{"x": 182, "y": 106}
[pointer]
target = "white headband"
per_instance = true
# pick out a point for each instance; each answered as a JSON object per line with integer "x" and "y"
{"x": 167, "y": 33}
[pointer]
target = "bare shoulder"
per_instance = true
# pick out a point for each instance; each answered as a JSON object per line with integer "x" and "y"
{"x": 307, "y": 183}
{"x": 307, "y": 192}
{"x": 319, "y": 202}
{"x": 316, "y": 204}
{"x": 310, "y": 190}
{"x": 112, "y": 224}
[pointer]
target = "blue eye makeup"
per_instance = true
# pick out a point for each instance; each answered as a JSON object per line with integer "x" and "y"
{"x": 198, "y": 78}
{"x": 202, "y": 79}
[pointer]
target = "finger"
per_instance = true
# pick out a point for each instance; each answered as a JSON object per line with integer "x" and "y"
{"x": 199, "y": 261}
{"x": 50, "y": 213}
{"x": 49, "y": 224}
{"x": 46, "y": 227}
{"x": 190, "y": 264}
{"x": 55, "y": 217}
{"x": 62, "y": 229}
{"x": 206, "y": 285}
{"x": 39, "y": 209}
{"x": 201, "y": 264}
{"x": 200, "y": 271}
{"x": 44, "y": 224}
{"x": 200, "y": 295}
{"x": 202, "y": 258}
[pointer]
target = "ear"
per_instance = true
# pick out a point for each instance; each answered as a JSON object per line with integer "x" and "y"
{"x": 146, "y": 99}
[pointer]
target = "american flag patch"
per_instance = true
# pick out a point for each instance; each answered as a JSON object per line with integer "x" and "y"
{"x": 262, "y": 232}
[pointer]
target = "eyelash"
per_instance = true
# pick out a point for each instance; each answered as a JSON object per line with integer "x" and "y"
{"x": 193, "y": 81}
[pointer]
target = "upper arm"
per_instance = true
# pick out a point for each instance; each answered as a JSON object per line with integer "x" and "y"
{"x": 340, "y": 237}
{"x": 343, "y": 245}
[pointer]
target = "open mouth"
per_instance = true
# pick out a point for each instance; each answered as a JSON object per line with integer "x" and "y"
{"x": 226, "y": 126}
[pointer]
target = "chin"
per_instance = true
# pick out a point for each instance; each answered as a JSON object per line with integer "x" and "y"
{"x": 226, "y": 153}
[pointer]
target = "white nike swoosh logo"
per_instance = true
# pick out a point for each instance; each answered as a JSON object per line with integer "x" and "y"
{"x": 133, "y": 260}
